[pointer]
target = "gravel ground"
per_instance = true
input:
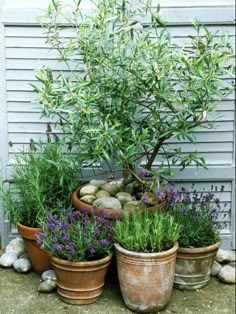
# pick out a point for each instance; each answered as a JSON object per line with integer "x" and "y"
{"x": 18, "y": 294}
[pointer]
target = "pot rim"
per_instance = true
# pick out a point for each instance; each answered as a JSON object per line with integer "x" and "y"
{"x": 27, "y": 227}
{"x": 81, "y": 264}
{"x": 200, "y": 249}
{"x": 122, "y": 250}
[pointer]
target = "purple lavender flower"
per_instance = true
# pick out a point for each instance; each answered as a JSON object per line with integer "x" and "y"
{"x": 161, "y": 194}
{"x": 145, "y": 198}
{"x": 55, "y": 239}
{"x": 65, "y": 238}
{"x": 96, "y": 232}
{"x": 52, "y": 219}
{"x": 50, "y": 226}
{"x": 64, "y": 225}
{"x": 104, "y": 242}
{"x": 91, "y": 248}
{"x": 174, "y": 195}
{"x": 70, "y": 247}
{"x": 143, "y": 173}
{"x": 73, "y": 216}
{"x": 58, "y": 247}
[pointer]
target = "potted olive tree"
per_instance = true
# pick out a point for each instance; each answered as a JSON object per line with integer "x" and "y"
{"x": 129, "y": 92}
{"x": 43, "y": 178}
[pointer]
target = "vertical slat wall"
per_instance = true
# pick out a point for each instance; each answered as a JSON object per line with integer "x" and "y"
{"x": 23, "y": 49}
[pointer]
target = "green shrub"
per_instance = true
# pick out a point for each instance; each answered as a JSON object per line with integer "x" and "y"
{"x": 43, "y": 180}
{"x": 145, "y": 231}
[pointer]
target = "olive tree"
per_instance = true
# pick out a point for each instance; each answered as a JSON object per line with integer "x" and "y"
{"x": 138, "y": 90}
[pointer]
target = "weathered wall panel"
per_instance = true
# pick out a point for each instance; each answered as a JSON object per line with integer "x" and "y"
{"x": 23, "y": 49}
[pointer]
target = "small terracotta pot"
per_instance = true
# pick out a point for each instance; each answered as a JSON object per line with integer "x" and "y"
{"x": 113, "y": 214}
{"x": 146, "y": 279}
{"x": 80, "y": 282}
{"x": 39, "y": 259}
{"x": 193, "y": 266}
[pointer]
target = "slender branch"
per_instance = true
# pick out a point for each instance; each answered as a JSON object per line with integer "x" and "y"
{"x": 154, "y": 153}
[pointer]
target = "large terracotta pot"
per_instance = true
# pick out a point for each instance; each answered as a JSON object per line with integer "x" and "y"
{"x": 80, "y": 282}
{"x": 193, "y": 266}
{"x": 39, "y": 259}
{"x": 113, "y": 214}
{"x": 146, "y": 279}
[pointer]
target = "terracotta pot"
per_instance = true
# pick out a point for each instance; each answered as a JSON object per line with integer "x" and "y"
{"x": 112, "y": 213}
{"x": 193, "y": 266}
{"x": 39, "y": 259}
{"x": 80, "y": 282}
{"x": 146, "y": 279}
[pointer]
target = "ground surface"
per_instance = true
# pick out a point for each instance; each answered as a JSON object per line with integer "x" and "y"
{"x": 18, "y": 294}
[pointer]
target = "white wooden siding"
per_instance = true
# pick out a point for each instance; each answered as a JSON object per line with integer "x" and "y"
{"x": 23, "y": 49}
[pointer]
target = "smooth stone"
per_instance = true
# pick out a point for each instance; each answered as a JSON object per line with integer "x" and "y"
{"x": 133, "y": 205}
{"x": 16, "y": 245}
{"x": 124, "y": 197}
{"x": 117, "y": 182}
{"x": 89, "y": 199}
{"x": 49, "y": 275}
{"x": 107, "y": 202}
{"x": 232, "y": 264}
{"x": 97, "y": 183}
{"x": 8, "y": 259}
{"x": 111, "y": 188}
{"x": 88, "y": 190}
{"x": 22, "y": 265}
{"x": 130, "y": 188}
{"x": 150, "y": 198}
{"x": 102, "y": 193}
{"x": 47, "y": 286}
{"x": 227, "y": 274}
{"x": 216, "y": 267}
{"x": 225, "y": 256}
{"x": 25, "y": 255}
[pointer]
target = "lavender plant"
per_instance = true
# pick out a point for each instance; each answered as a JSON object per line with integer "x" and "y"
{"x": 76, "y": 237}
{"x": 198, "y": 216}
{"x": 146, "y": 231}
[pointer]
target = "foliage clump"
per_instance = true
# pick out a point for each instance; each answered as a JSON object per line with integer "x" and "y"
{"x": 198, "y": 214}
{"x": 76, "y": 237}
{"x": 146, "y": 231}
{"x": 130, "y": 89}
{"x": 43, "y": 180}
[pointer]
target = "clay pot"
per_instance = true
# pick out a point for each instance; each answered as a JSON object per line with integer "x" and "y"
{"x": 39, "y": 259}
{"x": 113, "y": 214}
{"x": 80, "y": 282}
{"x": 193, "y": 266}
{"x": 146, "y": 279}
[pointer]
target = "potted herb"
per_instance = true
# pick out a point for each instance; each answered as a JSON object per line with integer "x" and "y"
{"x": 198, "y": 216}
{"x": 43, "y": 179}
{"x": 146, "y": 247}
{"x": 134, "y": 91}
{"x": 81, "y": 250}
